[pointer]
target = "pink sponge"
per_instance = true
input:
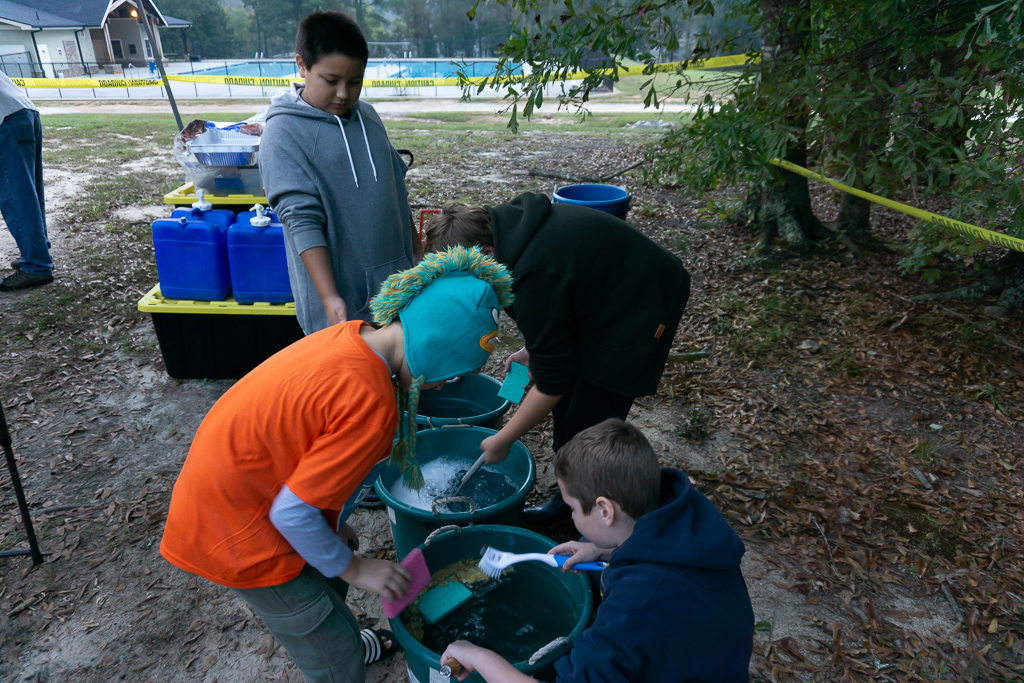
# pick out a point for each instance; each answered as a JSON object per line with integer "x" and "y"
{"x": 417, "y": 566}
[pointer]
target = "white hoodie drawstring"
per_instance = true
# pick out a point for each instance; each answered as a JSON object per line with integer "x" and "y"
{"x": 350, "y": 163}
{"x": 367, "y": 141}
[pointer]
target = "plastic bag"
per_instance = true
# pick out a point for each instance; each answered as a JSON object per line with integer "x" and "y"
{"x": 219, "y": 179}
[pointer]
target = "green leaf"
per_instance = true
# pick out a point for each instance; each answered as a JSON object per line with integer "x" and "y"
{"x": 513, "y": 122}
{"x": 762, "y": 626}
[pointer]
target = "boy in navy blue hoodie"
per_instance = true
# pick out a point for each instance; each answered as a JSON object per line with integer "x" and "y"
{"x": 675, "y": 606}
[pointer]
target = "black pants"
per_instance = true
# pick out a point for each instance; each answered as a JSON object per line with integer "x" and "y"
{"x": 585, "y": 406}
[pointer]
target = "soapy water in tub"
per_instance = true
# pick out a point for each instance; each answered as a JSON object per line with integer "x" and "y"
{"x": 442, "y": 475}
{"x": 518, "y": 614}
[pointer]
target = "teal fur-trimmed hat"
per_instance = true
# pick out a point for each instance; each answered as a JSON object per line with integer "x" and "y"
{"x": 449, "y": 305}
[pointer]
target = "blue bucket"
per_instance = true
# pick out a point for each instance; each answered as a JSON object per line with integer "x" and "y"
{"x": 411, "y": 525}
{"x": 472, "y": 400}
{"x": 608, "y": 198}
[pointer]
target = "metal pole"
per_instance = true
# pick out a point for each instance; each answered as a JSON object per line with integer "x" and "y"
{"x": 12, "y": 467}
{"x": 159, "y": 62}
{"x": 81, "y": 57}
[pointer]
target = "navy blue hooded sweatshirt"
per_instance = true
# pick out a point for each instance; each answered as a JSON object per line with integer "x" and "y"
{"x": 675, "y": 605}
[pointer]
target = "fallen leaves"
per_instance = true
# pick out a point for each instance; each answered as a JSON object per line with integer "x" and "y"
{"x": 870, "y": 453}
{"x": 824, "y": 373}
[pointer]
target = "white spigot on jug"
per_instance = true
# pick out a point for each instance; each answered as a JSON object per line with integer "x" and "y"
{"x": 201, "y": 203}
{"x": 259, "y": 221}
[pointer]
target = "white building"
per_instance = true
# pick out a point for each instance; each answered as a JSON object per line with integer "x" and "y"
{"x": 69, "y": 38}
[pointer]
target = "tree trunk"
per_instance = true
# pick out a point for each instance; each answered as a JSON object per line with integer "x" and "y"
{"x": 1011, "y": 268}
{"x": 781, "y": 205}
{"x": 868, "y": 134}
{"x": 854, "y": 219}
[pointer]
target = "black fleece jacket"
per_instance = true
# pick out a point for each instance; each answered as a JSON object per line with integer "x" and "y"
{"x": 595, "y": 298}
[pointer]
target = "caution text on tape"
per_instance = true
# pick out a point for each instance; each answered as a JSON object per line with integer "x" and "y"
{"x": 367, "y": 83}
{"x": 86, "y": 82}
{"x": 266, "y": 81}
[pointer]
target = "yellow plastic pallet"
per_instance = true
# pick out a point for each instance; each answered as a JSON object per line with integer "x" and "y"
{"x": 186, "y": 195}
{"x": 153, "y": 302}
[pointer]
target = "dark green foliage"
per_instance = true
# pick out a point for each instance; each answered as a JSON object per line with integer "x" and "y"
{"x": 917, "y": 97}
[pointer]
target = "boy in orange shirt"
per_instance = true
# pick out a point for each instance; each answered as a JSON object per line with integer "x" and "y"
{"x": 277, "y": 463}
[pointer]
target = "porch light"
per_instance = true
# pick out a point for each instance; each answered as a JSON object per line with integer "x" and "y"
{"x": 135, "y": 14}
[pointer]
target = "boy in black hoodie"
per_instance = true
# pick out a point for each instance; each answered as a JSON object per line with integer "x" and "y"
{"x": 597, "y": 302}
{"x": 675, "y": 607}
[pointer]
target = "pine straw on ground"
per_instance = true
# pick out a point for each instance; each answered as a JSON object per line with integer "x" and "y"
{"x": 879, "y": 447}
{"x": 875, "y": 443}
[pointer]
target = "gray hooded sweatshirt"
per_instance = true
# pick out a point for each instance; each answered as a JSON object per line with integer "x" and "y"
{"x": 336, "y": 183}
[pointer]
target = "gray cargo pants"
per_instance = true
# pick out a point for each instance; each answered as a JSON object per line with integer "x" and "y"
{"x": 309, "y": 617}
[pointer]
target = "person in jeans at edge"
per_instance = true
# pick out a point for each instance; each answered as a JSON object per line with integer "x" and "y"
{"x": 21, "y": 188}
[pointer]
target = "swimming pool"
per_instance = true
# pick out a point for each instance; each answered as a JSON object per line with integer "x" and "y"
{"x": 430, "y": 68}
{"x": 262, "y": 69}
{"x": 375, "y": 68}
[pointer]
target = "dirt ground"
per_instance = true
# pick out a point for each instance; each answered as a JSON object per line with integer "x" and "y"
{"x": 866, "y": 446}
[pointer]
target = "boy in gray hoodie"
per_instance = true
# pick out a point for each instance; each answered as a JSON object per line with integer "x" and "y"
{"x": 335, "y": 180}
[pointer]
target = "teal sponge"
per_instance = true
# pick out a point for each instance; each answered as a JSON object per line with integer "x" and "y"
{"x": 439, "y": 602}
{"x": 515, "y": 383}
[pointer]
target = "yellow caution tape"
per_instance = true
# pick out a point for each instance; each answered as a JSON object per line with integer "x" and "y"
{"x": 961, "y": 227}
{"x": 695, "y": 65}
{"x": 235, "y": 80}
{"x": 712, "y": 63}
{"x": 416, "y": 82}
{"x": 285, "y": 82}
{"x": 86, "y": 82}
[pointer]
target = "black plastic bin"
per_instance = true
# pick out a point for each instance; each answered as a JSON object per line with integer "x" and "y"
{"x": 218, "y": 339}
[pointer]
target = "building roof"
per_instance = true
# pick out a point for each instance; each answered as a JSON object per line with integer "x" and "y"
{"x": 175, "y": 22}
{"x": 71, "y": 13}
{"x": 23, "y": 15}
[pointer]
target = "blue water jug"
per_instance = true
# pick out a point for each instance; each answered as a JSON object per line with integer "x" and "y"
{"x": 204, "y": 211}
{"x": 192, "y": 253}
{"x": 259, "y": 267}
{"x": 222, "y": 218}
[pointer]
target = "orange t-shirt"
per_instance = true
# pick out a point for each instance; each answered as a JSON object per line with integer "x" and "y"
{"x": 316, "y": 416}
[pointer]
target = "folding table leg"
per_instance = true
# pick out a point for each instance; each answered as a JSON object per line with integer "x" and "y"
{"x": 12, "y": 467}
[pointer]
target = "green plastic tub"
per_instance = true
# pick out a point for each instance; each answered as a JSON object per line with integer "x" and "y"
{"x": 550, "y": 586}
{"x": 410, "y": 526}
{"x": 472, "y": 400}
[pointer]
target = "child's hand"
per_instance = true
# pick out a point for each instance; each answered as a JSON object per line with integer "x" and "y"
{"x": 384, "y": 578}
{"x": 578, "y": 552}
{"x": 522, "y": 356}
{"x": 466, "y": 653}
{"x": 337, "y": 311}
{"x": 495, "y": 450}
{"x": 489, "y": 664}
